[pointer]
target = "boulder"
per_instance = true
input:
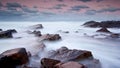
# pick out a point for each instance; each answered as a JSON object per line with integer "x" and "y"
{"x": 51, "y": 37}
{"x": 14, "y": 57}
{"x": 37, "y": 26}
{"x": 103, "y": 29}
{"x": 70, "y": 64}
{"x": 49, "y": 63}
{"x": 37, "y": 33}
{"x": 0, "y": 29}
{"x": 65, "y": 54}
{"x": 6, "y": 34}
{"x": 12, "y": 30}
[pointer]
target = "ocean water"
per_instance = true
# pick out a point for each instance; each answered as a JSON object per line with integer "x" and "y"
{"x": 106, "y": 50}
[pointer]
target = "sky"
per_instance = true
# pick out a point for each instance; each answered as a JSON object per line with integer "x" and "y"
{"x": 59, "y": 10}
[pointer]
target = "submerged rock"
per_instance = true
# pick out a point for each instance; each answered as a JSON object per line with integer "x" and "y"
{"x": 14, "y": 57}
{"x": 70, "y": 64}
{"x": 37, "y": 26}
{"x": 52, "y": 63}
{"x": 66, "y": 54}
{"x": 103, "y": 29}
{"x": 49, "y": 63}
{"x": 6, "y": 34}
{"x": 12, "y": 30}
{"x": 81, "y": 56}
{"x": 114, "y": 35}
{"x": 51, "y": 37}
{"x": 37, "y": 33}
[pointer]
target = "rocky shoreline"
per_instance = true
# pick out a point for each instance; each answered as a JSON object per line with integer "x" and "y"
{"x": 60, "y": 58}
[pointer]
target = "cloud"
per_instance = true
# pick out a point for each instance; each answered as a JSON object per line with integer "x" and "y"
{"x": 13, "y": 5}
{"x": 99, "y": 0}
{"x": 1, "y": 4}
{"x": 11, "y": 15}
{"x": 29, "y": 10}
{"x": 10, "y": 12}
{"x": 77, "y": 8}
{"x": 60, "y": 0}
{"x": 47, "y": 13}
{"x": 85, "y": 0}
{"x": 91, "y": 12}
{"x": 59, "y": 6}
{"x": 110, "y": 9}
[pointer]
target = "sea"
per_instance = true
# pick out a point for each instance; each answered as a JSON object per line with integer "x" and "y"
{"x": 107, "y": 50}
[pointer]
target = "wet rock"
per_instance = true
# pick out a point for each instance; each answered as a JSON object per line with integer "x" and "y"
{"x": 92, "y": 24}
{"x": 65, "y": 31}
{"x": 12, "y": 30}
{"x": 110, "y": 24}
{"x": 49, "y": 63}
{"x": 114, "y": 35}
{"x": 103, "y": 29}
{"x": 6, "y": 34}
{"x": 14, "y": 57}
{"x": 51, "y": 37}
{"x": 65, "y": 54}
{"x": 107, "y": 24}
{"x": 70, "y": 64}
{"x": 37, "y": 26}
{"x": 37, "y": 33}
{"x": 76, "y": 31}
{"x": 18, "y": 37}
{"x": 0, "y": 29}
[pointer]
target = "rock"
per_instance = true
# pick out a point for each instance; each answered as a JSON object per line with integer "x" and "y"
{"x": 107, "y": 24}
{"x": 14, "y": 57}
{"x": 92, "y": 24}
{"x": 0, "y": 29}
{"x": 65, "y": 54}
{"x": 49, "y": 63}
{"x": 51, "y": 37}
{"x": 76, "y": 31}
{"x": 114, "y": 35}
{"x": 37, "y": 33}
{"x": 70, "y": 64}
{"x": 37, "y": 26}
{"x": 103, "y": 29}
{"x": 65, "y": 31}
{"x": 12, "y": 30}
{"x": 110, "y": 24}
{"x": 6, "y": 34}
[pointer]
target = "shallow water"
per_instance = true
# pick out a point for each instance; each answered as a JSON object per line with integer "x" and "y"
{"x": 106, "y": 50}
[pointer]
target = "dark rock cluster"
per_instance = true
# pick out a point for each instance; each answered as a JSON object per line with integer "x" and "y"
{"x": 7, "y": 33}
{"x": 14, "y": 57}
{"x": 51, "y": 37}
{"x": 67, "y": 58}
{"x": 107, "y": 24}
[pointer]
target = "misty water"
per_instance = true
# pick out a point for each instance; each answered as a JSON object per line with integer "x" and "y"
{"x": 106, "y": 50}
